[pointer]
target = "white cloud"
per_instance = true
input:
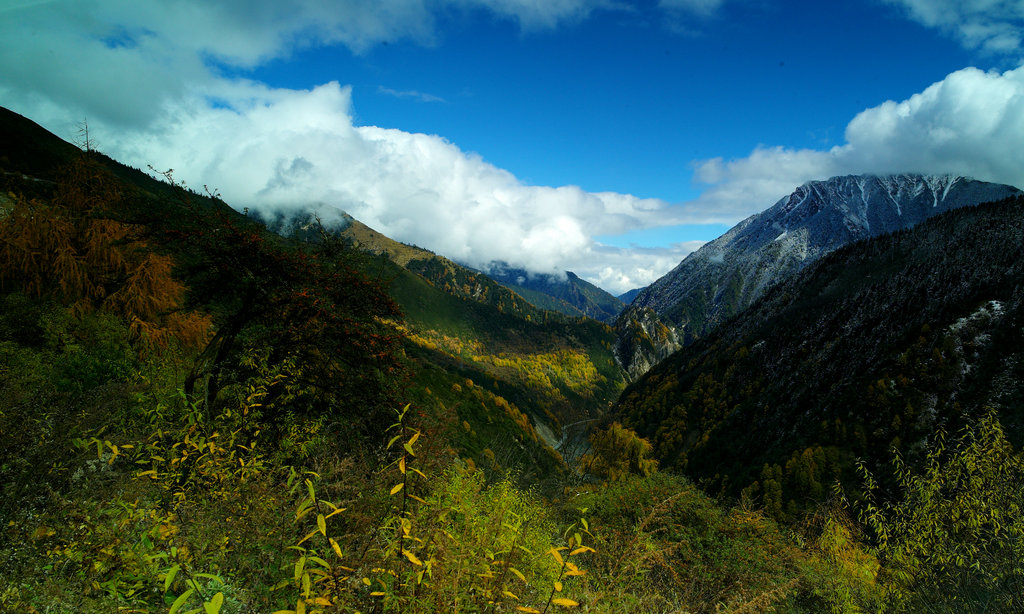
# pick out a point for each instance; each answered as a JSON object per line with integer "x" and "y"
{"x": 140, "y": 72}
{"x": 971, "y": 122}
{"x": 415, "y": 95}
{"x": 286, "y": 149}
{"x": 996, "y": 26}
{"x": 699, "y": 7}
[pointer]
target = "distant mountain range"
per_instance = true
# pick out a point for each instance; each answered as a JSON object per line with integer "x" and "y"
{"x": 728, "y": 274}
{"x": 568, "y": 294}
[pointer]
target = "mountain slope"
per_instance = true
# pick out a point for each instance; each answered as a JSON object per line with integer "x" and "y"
{"x": 729, "y": 273}
{"x": 569, "y": 295}
{"x": 876, "y": 345}
{"x": 472, "y": 336}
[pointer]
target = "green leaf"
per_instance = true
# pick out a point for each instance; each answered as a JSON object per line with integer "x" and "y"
{"x": 214, "y": 604}
{"x": 169, "y": 578}
{"x": 180, "y": 601}
{"x": 321, "y": 524}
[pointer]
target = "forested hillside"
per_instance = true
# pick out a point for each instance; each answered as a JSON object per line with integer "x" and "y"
{"x": 876, "y": 347}
{"x": 199, "y": 415}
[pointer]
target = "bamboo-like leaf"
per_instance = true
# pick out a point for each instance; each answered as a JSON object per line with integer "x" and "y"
{"x": 309, "y": 487}
{"x": 412, "y": 557}
{"x": 527, "y": 609}
{"x": 418, "y": 472}
{"x": 300, "y": 564}
{"x": 392, "y": 441}
{"x": 517, "y": 573}
{"x": 401, "y": 465}
{"x": 180, "y": 601}
{"x": 336, "y": 511}
{"x": 414, "y": 437}
{"x": 581, "y": 550}
{"x": 321, "y": 523}
{"x": 565, "y": 603}
{"x": 408, "y": 448}
{"x": 169, "y": 578}
{"x": 558, "y": 587}
{"x": 311, "y": 534}
{"x": 510, "y": 594}
{"x": 321, "y": 601}
{"x": 336, "y": 548}
{"x": 397, "y": 487}
{"x": 558, "y": 556}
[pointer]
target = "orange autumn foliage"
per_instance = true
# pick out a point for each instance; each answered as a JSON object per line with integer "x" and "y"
{"x": 73, "y": 250}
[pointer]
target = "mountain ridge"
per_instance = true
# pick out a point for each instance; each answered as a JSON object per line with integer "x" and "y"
{"x": 729, "y": 273}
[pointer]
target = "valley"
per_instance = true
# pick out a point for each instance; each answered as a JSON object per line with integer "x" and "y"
{"x": 211, "y": 409}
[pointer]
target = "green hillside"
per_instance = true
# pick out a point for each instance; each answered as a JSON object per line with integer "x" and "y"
{"x": 199, "y": 415}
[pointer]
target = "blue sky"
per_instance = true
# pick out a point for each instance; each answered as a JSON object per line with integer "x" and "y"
{"x": 609, "y": 138}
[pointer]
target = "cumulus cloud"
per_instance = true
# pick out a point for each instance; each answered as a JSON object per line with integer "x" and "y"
{"x": 146, "y": 76}
{"x": 290, "y": 150}
{"x": 971, "y": 122}
{"x": 996, "y": 26}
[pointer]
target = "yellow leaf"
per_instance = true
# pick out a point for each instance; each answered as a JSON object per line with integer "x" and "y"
{"x": 528, "y": 610}
{"x": 509, "y": 594}
{"x": 558, "y": 587}
{"x": 321, "y": 601}
{"x": 42, "y": 533}
{"x": 401, "y": 465}
{"x": 582, "y": 549}
{"x": 321, "y": 523}
{"x": 412, "y": 557}
{"x": 311, "y": 534}
{"x": 367, "y": 582}
{"x": 335, "y": 547}
{"x": 518, "y": 573}
{"x": 413, "y": 439}
{"x": 565, "y": 603}
{"x": 558, "y": 557}
{"x": 397, "y": 487}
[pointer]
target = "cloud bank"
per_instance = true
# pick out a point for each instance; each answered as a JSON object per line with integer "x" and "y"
{"x": 147, "y": 77}
{"x": 996, "y": 26}
{"x": 971, "y": 122}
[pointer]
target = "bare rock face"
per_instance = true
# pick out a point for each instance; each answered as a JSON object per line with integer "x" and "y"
{"x": 728, "y": 274}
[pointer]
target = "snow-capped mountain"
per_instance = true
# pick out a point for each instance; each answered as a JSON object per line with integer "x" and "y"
{"x": 729, "y": 273}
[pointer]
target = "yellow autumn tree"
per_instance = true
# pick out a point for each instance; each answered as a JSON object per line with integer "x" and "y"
{"x": 72, "y": 248}
{"x": 616, "y": 453}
